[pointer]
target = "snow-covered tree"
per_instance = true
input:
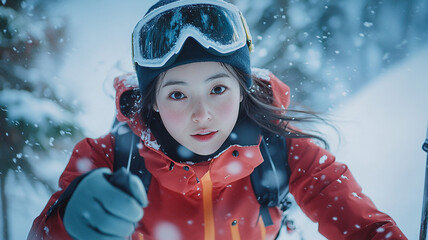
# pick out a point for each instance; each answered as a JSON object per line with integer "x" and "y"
{"x": 328, "y": 49}
{"x": 35, "y": 120}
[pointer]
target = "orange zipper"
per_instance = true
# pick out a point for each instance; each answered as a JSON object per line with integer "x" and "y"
{"x": 262, "y": 228}
{"x": 235, "y": 230}
{"x": 140, "y": 236}
{"x": 207, "y": 188}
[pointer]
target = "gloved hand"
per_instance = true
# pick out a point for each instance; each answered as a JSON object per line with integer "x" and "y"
{"x": 105, "y": 206}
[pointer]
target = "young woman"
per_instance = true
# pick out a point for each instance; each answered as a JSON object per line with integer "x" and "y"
{"x": 202, "y": 116}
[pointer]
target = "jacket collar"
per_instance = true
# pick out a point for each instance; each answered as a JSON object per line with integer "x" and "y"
{"x": 245, "y": 133}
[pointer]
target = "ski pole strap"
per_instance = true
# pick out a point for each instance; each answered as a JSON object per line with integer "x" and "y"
{"x": 264, "y": 212}
{"x": 126, "y": 153}
{"x": 63, "y": 199}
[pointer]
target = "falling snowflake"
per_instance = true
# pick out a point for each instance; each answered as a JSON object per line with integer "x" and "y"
{"x": 234, "y": 168}
{"x": 167, "y": 231}
{"x": 323, "y": 159}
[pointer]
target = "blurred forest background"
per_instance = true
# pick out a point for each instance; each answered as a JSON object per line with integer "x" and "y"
{"x": 326, "y": 50}
{"x": 36, "y": 121}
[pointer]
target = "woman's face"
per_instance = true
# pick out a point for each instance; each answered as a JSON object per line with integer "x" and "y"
{"x": 199, "y": 105}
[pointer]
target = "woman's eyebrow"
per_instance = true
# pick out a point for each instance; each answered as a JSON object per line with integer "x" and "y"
{"x": 177, "y": 82}
{"x": 173, "y": 82}
{"x": 218, "y": 75}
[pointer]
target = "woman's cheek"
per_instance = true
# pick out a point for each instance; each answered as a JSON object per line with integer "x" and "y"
{"x": 226, "y": 109}
{"x": 172, "y": 115}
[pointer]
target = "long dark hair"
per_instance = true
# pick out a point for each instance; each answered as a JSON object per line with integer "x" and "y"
{"x": 257, "y": 105}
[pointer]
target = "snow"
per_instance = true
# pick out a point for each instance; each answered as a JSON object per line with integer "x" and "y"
{"x": 234, "y": 167}
{"x": 322, "y": 159}
{"x": 99, "y": 51}
{"x": 40, "y": 112}
{"x": 131, "y": 80}
{"x": 259, "y": 73}
{"x": 84, "y": 165}
{"x": 249, "y": 153}
{"x": 167, "y": 231}
{"x": 383, "y": 126}
{"x": 145, "y": 136}
{"x": 298, "y": 17}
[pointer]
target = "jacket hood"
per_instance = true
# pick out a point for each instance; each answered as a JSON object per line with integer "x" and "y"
{"x": 128, "y": 102}
{"x": 280, "y": 90}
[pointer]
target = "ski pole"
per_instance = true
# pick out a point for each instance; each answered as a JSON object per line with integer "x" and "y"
{"x": 423, "y": 231}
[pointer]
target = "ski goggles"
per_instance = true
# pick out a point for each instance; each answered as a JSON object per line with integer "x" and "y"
{"x": 217, "y": 25}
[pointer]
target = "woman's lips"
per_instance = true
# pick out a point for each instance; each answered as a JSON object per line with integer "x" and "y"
{"x": 204, "y": 136}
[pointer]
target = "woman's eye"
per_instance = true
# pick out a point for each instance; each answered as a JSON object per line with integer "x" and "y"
{"x": 218, "y": 90}
{"x": 177, "y": 95}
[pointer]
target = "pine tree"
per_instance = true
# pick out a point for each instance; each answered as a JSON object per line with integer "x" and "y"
{"x": 34, "y": 120}
{"x": 328, "y": 49}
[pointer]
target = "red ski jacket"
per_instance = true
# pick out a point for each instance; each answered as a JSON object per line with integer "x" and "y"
{"x": 208, "y": 201}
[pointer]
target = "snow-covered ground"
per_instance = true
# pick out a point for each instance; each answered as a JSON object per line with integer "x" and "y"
{"x": 382, "y": 127}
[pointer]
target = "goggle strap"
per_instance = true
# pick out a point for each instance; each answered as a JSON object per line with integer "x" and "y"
{"x": 247, "y": 33}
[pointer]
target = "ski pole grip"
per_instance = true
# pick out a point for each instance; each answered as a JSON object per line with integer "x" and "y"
{"x": 120, "y": 179}
{"x": 425, "y": 145}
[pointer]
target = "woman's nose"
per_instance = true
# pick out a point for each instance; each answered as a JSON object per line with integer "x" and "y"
{"x": 201, "y": 112}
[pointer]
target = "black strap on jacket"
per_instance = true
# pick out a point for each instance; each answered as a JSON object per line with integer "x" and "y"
{"x": 126, "y": 151}
{"x": 269, "y": 180}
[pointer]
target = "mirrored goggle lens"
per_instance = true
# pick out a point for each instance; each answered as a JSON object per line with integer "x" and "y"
{"x": 212, "y": 26}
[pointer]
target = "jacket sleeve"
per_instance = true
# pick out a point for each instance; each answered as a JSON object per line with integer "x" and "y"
{"x": 328, "y": 194}
{"x": 87, "y": 155}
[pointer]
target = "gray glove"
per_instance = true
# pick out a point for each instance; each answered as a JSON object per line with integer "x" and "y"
{"x": 105, "y": 206}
